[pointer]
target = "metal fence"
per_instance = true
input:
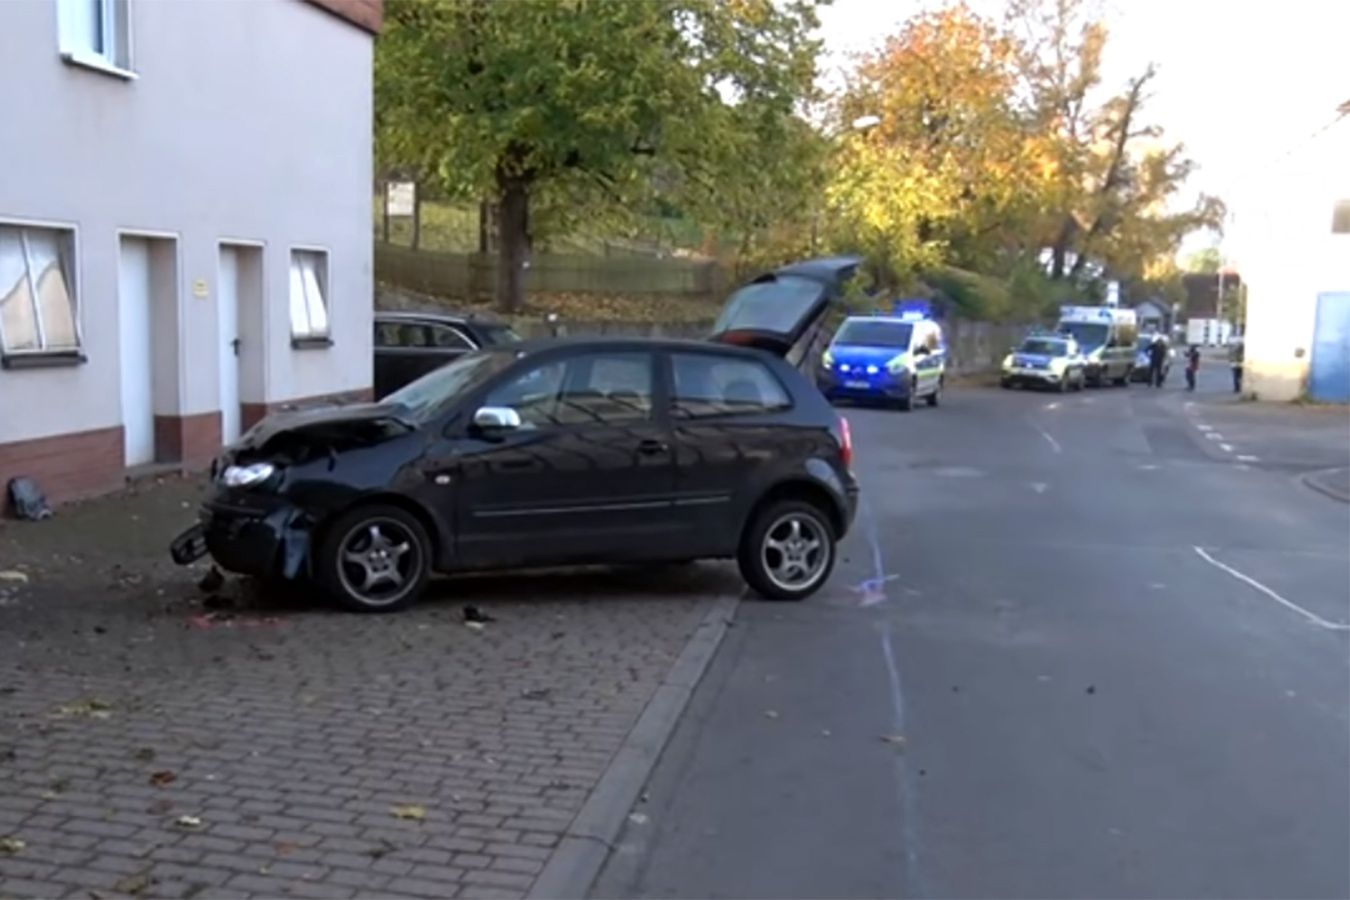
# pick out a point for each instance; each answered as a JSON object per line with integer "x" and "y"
{"x": 472, "y": 275}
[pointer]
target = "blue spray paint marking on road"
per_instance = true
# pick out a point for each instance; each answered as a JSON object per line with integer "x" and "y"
{"x": 909, "y": 814}
{"x": 872, "y": 590}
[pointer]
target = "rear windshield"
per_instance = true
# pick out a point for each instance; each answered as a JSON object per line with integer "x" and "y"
{"x": 874, "y": 333}
{"x": 1049, "y": 348}
{"x": 779, "y": 305}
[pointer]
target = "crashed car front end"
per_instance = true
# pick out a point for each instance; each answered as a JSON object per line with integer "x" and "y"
{"x": 285, "y": 477}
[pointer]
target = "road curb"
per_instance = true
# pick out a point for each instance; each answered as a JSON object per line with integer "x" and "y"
{"x": 581, "y": 853}
{"x": 1313, "y": 480}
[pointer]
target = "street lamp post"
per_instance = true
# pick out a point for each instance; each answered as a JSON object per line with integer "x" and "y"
{"x": 860, "y": 124}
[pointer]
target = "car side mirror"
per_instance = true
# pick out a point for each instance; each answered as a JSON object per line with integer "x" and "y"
{"x": 496, "y": 419}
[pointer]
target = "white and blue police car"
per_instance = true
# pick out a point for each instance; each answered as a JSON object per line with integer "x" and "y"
{"x": 893, "y": 359}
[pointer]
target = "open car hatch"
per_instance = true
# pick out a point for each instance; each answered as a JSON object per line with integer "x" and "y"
{"x": 782, "y": 311}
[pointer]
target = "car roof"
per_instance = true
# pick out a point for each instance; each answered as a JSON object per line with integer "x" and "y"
{"x": 541, "y": 345}
{"x": 449, "y": 318}
{"x": 895, "y": 319}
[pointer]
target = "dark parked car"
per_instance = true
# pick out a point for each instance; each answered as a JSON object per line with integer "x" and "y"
{"x": 565, "y": 452}
{"x": 408, "y": 345}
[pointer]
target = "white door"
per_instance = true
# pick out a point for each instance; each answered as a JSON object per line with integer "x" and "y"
{"x": 133, "y": 297}
{"x": 227, "y": 309}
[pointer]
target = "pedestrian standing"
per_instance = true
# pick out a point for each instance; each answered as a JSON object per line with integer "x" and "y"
{"x": 1236, "y": 355}
{"x": 1157, "y": 358}
{"x": 1192, "y": 366}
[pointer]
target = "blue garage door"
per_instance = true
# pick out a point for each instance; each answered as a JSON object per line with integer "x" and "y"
{"x": 1329, "y": 381}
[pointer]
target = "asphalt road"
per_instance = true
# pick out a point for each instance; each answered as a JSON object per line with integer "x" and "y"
{"x": 1025, "y": 680}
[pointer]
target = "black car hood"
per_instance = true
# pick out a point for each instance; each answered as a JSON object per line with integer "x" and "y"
{"x": 329, "y": 424}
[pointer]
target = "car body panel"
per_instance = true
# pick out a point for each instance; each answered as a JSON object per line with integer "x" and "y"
{"x": 593, "y": 492}
{"x": 781, "y": 311}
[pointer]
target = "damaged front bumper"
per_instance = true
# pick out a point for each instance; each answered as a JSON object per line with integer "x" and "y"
{"x": 248, "y": 539}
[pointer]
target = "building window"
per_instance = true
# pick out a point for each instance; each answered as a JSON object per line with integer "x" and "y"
{"x": 96, "y": 32}
{"x": 38, "y": 312}
{"x": 1340, "y": 217}
{"x": 309, "y": 296}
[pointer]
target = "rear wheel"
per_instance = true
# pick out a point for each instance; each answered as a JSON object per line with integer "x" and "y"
{"x": 787, "y": 551}
{"x": 374, "y": 558}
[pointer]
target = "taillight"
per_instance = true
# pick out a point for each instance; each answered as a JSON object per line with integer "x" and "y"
{"x": 845, "y": 442}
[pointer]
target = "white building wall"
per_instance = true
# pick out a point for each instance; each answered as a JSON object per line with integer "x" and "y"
{"x": 1288, "y": 256}
{"x": 247, "y": 121}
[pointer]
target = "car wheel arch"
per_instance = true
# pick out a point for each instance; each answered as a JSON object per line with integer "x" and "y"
{"x": 435, "y": 529}
{"x": 806, "y": 491}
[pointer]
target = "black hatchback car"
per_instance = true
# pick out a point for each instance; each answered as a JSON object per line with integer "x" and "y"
{"x": 567, "y": 452}
{"x": 408, "y": 345}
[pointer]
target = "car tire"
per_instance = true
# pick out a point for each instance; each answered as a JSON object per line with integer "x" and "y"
{"x": 1005, "y": 383}
{"x": 1063, "y": 386}
{"x": 370, "y": 547}
{"x": 767, "y": 568}
{"x": 936, "y": 397}
{"x": 906, "y": 403}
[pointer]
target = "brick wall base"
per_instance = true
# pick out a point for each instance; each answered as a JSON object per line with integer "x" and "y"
{"x": 66, "y": 466}
{"x": 253, "y": 413}
{"x": 191, "y": 441}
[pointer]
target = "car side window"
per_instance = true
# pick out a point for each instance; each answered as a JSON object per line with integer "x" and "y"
{"x": 708, "y": 385}
{"x": 413, "y": 336}
{"x": 933, "y": 342}
{"x": 386, "y": 334}
{"x": 449, "y": 338}
{"x": 599, "y": 388}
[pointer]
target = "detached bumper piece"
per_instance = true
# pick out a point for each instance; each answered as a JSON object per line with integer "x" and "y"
{"x": 248, "y": 541}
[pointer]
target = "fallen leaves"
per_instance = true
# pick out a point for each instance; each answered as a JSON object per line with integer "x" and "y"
{"x": 411, "y": 812}
{"x": 163, "y": 778}
{"x": 135, "y": 884}
{"x": 144, "y": 754}
{"x": 11, "y": 846}
{"x": 92, "y": 708}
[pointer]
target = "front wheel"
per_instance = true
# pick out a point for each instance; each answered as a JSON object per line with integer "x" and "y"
{"x": 936, "y": 397}
{"x": 374, "y": 559}
{"x": 906, "y": 403}
{"x": 787, "y": 551}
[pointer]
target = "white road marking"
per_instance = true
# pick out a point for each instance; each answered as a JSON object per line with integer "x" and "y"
{"x": 1039, "y": 487}
{"x": 1252, "y": 582}
{"x": 1213, "y": 435}
{"x": 1054, "y": 444}
{"x": 1054, "y": 405}
{"x": 1148, "y": 467}
{"x": 1226, "y": 448}
{"x": 1203, "y": 427}
{"x": 1248, "y": 458}
{"x": 1243, "y": 467}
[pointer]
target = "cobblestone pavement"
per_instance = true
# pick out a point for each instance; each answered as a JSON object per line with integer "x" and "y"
{"x": 153, "y": 747}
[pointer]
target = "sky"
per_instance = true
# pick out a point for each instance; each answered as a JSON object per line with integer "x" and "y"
{"x": 1240, "y": 83}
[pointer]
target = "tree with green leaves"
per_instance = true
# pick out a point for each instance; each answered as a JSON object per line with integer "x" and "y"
{"x": 591, "y": 101}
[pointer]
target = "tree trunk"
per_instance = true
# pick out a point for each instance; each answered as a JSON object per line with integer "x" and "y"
{"x": 513, "y": 224}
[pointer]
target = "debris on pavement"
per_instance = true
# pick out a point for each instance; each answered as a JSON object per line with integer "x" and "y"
{"x": 11, "y": 846}
{"x": 188, "y": 822}
{"x": 1091, "y": 689}
{"x": 212, "y": 581}
{"x": 28, "y": 500}
{"x": 92, "y": 708}
{"x": 145, "y": 754}
{"x": 162, "y": 778}
{"x": 411, "y": 812}
{"x": 535, "y": 693}
{"x": 14, "y": 576}
{"x": 474, "y": 626}
{"x": 770, "y": 713}
{"x": 895, "y": 740}
{"x": 638, "y": 818}
{"x": 135, "y": 884}
{"x": 474, "y": 614}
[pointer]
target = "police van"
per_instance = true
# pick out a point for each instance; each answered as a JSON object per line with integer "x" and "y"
{"x": 1106, "y": 336}
{"x": 896, "y": 359}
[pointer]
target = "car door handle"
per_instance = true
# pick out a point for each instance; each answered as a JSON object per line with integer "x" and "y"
{"x": 652, "y": 447}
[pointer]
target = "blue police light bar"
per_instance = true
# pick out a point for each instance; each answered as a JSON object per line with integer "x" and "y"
{"x": 913, "y": 310}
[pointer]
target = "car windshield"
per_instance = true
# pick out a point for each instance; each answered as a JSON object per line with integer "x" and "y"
{"x": 778, "y": 305}
{"x": 424, "y": 398}
{"x": 1043, "y": 346}
{"x": 874, "y": 333}
{"x": 500, "y": 334}
{"x": 1089, "y": 335}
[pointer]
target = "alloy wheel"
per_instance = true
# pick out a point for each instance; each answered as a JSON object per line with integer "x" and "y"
{"x": 796, "y": 551}
{"x": 379, "y": 561}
